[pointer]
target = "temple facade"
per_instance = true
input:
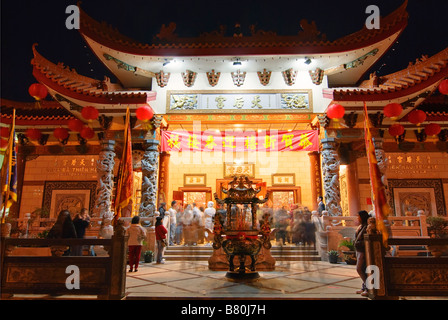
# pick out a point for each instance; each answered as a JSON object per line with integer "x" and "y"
{"x": 255, "y": 104}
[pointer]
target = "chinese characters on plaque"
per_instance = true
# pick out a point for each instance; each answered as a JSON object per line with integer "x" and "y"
{"x": 230, "y": 101}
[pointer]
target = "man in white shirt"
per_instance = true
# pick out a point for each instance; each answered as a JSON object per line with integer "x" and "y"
{"x": 172, "y": 213}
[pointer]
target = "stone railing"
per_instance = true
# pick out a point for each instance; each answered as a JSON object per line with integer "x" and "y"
{"x": 407, "y": 276}
{"x": 332, "y": 229}
{"x": 37, "y": 266}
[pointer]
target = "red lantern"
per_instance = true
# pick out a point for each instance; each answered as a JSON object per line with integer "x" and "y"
{"x": 432, "y": 129}
{"x": 38, "y": 91}
{"x": 4, "y": 132}
{"x": 396, "y": 130}
{"x": 443, "y": 87}
{"x": 61, "y": 133}
{"x": 3, "y": 143}
{"x": 417, "y": 117}
{"x": 335, "y": 111}
{"x": 144, "y": 113}
{"x": 87, "y": 133}
{"x": 393, "y": 110}
{"x": 33, "y": 134}
{"x": 75, "y": 125}
{"x": 89, "y": 113}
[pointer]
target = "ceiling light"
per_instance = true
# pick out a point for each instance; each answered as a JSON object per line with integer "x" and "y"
{"x": 237, "y": 63}
{"x": 307, "y": 60}
{"x": 167, "y": 62}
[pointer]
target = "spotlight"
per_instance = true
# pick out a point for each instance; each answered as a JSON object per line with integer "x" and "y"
{"x": 167, "y": 62}
{"x": 237, "y": 62}
{"x": 307, "y": 61}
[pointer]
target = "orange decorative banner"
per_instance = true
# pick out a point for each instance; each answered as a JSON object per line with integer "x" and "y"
{"x": 300, "y": 140}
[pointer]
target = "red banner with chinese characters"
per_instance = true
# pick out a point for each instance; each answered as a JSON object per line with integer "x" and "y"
{"x": 239, "y": 141}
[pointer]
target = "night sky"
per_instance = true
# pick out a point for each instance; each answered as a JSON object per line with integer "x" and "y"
{"x": 24, "y": 22}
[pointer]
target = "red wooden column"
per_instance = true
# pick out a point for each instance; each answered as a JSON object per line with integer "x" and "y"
{"x": 163, "y": 186}
{"x": 316, "y": 177}
{"x": 353, "y": 188}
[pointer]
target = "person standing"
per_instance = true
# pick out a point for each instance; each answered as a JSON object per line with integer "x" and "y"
{"x": 162, "y": 209}
{"x": 81, "y": 223}
{"x": 363, "y": 217}
{"x": 320, "y": 205}
{"x": 136, "y": 235}
{"x": 209, "y": 215}
{"x": 63, "y": 228}
{"x": 173, "y": 221}
{"x": 160, "y": 238}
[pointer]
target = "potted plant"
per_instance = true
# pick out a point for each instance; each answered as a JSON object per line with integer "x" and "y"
{"x": 148, "y": 256}
{"x": 437, "y": 227}
{"x": 350, "y": 254}
{"x": 438, "y": 230}
{"x": 333, "y": 256}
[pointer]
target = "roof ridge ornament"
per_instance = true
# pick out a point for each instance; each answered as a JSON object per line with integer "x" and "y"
{"x": 189, "y": 78}
{"x": 289, "y": 76}
{"x": 213, "y": 77}
{"x": 162, "y": 78}
{"x": 264, "y": 76}
{"x": 238, "y": 77}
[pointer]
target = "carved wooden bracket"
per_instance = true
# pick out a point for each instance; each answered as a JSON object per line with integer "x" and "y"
{"x": 324, "y": 121}
{"x": 65, "y": 141}
{"x": 162, "y": 78}
{"x": 264, "y": 76}
{"x": 43, "y": 139}
{"x": 132, "y": 121}
{"x": 81, "y": 140}
{"x": 443, "y": 135}
{"x": 317, "y": 76}
{"x": 376, "y": 119}
{"x": 420, "y": 135}
{"x": 289, "y": 76}
{"x": 350, "y": 119}
{"x": 213, "y": 77}
{"x": 189, "y": 78}
{"x": 105, "y": 121}
{"x": 23, "y": 139}
{"x": 401, "y": 138}
{"x": 238, "y": 77}
{"x": 156, "y": 121}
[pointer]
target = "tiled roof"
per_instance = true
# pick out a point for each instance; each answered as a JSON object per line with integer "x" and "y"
{"x": 423, "y": 73}
{"x": 67, "y": 81}
{"x": 307, "y": 41}
{"x": 27, "y": 113}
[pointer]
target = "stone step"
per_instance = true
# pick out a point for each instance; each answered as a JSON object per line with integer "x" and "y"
{"x": 203, "y": 253}
{"x": 277, "y": 258}
{"x": 193, "y": 252}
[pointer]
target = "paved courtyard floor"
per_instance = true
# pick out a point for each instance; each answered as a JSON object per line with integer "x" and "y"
{"x": 290, "y": 280}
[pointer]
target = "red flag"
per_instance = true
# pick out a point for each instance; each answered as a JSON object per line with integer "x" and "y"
{"x": 125, "y": 173}
{"x": 381, "y": 206}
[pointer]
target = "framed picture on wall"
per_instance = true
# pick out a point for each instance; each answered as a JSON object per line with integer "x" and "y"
{"x": 408, "y": 196}
{"x": 195, "y": 180}
{"x": 284, "y": 179}
{"x": 68, "y": 195}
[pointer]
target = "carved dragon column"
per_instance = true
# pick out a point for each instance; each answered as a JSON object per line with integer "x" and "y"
{"x": 105, "y": 171}
{"x": 149, "y": 178}
{"x": 381, "y": 159}
{"x": 330, "y": 168}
